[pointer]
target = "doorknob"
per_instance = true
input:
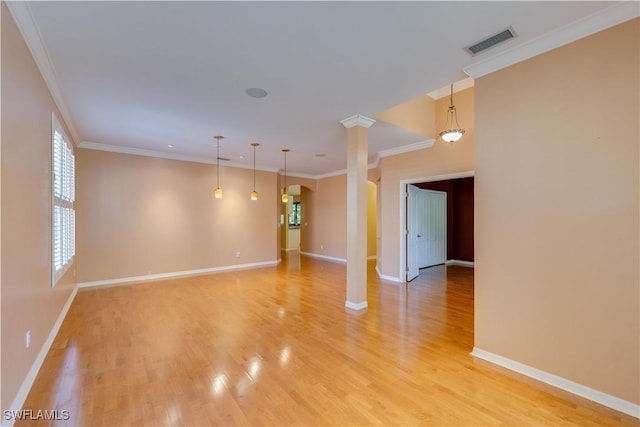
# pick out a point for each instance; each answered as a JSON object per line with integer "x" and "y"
{"x": 419, "y": 235}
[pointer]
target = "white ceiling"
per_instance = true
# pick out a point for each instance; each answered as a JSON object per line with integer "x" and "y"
{"x": 135, "y": 76}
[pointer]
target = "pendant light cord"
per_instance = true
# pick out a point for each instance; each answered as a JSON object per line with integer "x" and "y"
{"x": 451, "y": 97}
{"x": 218, "y": 164}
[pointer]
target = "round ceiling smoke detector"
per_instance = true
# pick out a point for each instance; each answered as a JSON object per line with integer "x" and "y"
{"x": 256, "y": 92}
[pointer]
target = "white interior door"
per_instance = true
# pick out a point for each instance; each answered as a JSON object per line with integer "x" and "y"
{"x": 432, "y": 229}
{"x": 413, "y": 220}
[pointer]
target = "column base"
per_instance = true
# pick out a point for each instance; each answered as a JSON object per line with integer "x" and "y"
{"x": 356, "y": 305}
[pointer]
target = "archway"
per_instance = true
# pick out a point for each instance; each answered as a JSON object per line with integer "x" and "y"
{"x": 290, "y": 221}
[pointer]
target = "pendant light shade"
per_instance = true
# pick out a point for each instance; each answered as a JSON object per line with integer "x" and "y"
{"x": 217, "y": 193}
{"x": 452, "y": 131}
{"x": 285, "y": 196}
{"x": 254, "y": 193}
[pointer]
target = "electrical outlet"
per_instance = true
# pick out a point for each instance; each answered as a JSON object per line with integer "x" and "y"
{"x": 321, "y": 247}
{"x": 238, "y": 253}
{"x": 27, "y": 339}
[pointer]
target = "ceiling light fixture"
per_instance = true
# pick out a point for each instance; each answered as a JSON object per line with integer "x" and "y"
{"x": 217, "y": 193}
{"x": 285, "y": 196}
{"x": 254, "y": 193}
{"x": 452, "y": 131}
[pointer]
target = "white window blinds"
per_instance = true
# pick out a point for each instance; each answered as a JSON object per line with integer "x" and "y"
{"x": 63, "y": 190}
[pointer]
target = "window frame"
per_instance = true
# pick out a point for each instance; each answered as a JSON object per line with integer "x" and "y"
{"x": 295, "y": 215}
{"x": 63, "y": 184}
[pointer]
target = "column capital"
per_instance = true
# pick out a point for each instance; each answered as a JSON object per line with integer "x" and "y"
{"x": 357, "y": 120}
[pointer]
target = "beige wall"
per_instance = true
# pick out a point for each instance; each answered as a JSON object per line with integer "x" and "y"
{"x": 371, "y": 219}
{"x": 556, "y": 199}
{"x": 28, "y": 300}
{"x": 441, "y": 159}
{"x": 414, "y": 115}
{"x": 324, "y": 226}
{"x": 140, "y": 215}
{"x": 322, "y": 213}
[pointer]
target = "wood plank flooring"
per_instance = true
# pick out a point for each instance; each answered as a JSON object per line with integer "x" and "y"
{"x": 275, "y": 346}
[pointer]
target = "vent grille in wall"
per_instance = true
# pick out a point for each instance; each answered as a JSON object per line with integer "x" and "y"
{"x": 491, "y": 41}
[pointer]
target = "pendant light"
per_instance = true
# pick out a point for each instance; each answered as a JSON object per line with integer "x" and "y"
{"x": 285, "y": 196}
{"x": 217, "y": 193}
{"x": 254, "y": 193}
{"x": 452, "y": 131}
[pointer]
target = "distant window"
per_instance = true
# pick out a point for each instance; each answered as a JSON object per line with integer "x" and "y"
{"x": 63, "y": 247}
{"x": 294, "y": 216}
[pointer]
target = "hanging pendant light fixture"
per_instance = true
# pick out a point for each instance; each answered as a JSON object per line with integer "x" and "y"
{"x": 217, "y": 193}
{"x": 285, "y": 196}
{"x": 254, "y": 193}
{"x": 452, "y": 131}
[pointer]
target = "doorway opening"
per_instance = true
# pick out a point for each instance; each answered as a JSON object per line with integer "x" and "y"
{"x": 291, "y": 219}
{"x": 426, "y": 229}
{"x": 457, "y": 240}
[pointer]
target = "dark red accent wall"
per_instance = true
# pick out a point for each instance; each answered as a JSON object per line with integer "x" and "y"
{"x": 459, "y": 215}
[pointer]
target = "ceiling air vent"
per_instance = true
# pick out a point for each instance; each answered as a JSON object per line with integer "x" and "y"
{"x": 491, "y": 41}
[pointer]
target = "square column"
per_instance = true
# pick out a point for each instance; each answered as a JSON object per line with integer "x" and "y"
{"x": 357, "y": 161}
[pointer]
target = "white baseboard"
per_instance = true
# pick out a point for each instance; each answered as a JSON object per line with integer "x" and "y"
{"x": 460, "y": 263}
{"x": 324, "y": 257}
{"x": 176, "y": 274}
{"x": 389, "y": 278}
{"x": 613, "y": 402}
{"x": 356, "y": 305}
{"x": 23, "y": 392}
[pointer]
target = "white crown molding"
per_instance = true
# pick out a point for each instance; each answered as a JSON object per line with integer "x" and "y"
{"x": 357, "y": 120}
{"x": 605, "y": 399}
{"x": 592, "y": 24}
{"x": 344, "y": 171}
{"x": 376, "y": 162}
{"x": 164, "y": 155}
{"x": 25, "y": 387}
{"x": 407, "y": 148}
{"x": 330, "y": 174}
{"x": 446, "y": 91}
{"x": 23, "y": 18}
{"x": 185, "y": 158}
{"x": 297, "y": 175}
{"x": 182, "y": 157}
{"x": 175, "y": 274}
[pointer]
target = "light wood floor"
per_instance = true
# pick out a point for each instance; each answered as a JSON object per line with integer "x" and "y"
{"x": 275, "y": 346}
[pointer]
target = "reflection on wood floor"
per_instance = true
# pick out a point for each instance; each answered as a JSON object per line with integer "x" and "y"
{"x": 275, "y": 346}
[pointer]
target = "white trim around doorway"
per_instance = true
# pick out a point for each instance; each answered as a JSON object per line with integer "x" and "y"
{"x": 403, "y": 211}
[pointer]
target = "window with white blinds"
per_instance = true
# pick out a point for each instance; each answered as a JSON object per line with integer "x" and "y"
{"x": 63, "y": 215}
